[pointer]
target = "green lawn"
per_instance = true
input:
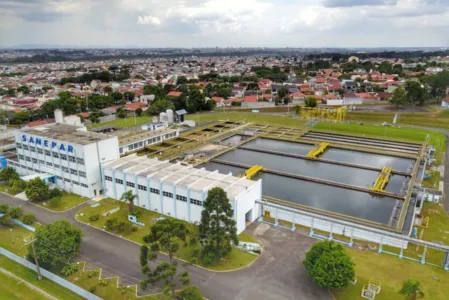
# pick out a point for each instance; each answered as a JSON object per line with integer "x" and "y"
{"x": 247, "y": 117}
{"x": 13, "y": 289}
{"x": 245, "y": 237}
{"x": 124, "y": 123}
{"x": 391, "y": 272}
{"x": 433, "y": 182}
{"x": 31, "y": 277}
{"x": 15, "y": 239}
{"x": 68, "y": 201}
{"x": 236, "y": 258}
{"x": 411, "y": 134}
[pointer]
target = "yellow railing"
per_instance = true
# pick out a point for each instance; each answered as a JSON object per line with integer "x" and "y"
{"x": 382, "y": 180}
{"x": 315, "y": 152}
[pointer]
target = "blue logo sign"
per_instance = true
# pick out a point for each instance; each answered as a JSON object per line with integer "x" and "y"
{"x": 47, "y": 143}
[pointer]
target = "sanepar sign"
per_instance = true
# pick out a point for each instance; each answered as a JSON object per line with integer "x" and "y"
{"x": 47, "y": 143}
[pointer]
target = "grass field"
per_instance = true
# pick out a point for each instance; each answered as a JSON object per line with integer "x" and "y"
{"x": 124, "y": 123}
{"x": 247, "y": 117}
{"x": 13, "y": 289}
{"x": 433, "y": 182}
{"x": 68, "y": 201}
{"x": 391, "y": 272}
{"x": 30, "y": 276}
{"x": 410, "y": 134}
{"x": 236, "y": 258}
{"x": 15, "y": 238}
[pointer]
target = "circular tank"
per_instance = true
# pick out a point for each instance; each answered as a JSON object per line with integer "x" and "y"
{"x": 170, "y": 116}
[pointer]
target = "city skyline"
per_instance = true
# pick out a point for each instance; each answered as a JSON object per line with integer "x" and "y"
{"x": 214, "y": 23}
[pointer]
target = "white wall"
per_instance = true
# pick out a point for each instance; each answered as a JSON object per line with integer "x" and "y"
{"x": 245, "y": 202}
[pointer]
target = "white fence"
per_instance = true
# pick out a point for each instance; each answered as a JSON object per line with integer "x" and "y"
{"x": 55, "y": 278}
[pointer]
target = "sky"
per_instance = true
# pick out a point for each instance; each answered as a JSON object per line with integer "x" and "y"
{"x": 225, "y": 23}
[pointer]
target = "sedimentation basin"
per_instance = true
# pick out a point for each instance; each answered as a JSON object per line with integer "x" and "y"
{"x": 325, "y": 195}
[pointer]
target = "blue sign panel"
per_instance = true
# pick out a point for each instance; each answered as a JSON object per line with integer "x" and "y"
{"x": 47, "y": 143}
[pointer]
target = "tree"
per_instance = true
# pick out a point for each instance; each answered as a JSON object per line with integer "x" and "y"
{"x": 329, "y": 265}
{"x": 282, "y": 92}
{"x": 37, "y": 190}
{"x": 181, "y": 80}
{"x": 4, "y": 208}
{"x": 8, "y": 173}
{"x": 310, "y": 101}
{"x": 117, "y": 96}
{"x": 121, "y": 114}
{"x": 129, "y": 197}
{"x": 165, "y": 236}
{"x": 29, "y": 219}
{"x": 55, "y": 244}
{"x": 24, "y": 89}
{"x": 129, "y": 96}
{"x": 139, "y": 112}
{"x": 107, "y": 90}
{"x": 16, "y": 212}
{"x": 416, "y": 93}
{"x": 191, "y": 293}
{"x": 411, "y": 289}
{"x": 398, "y": 98}
{"x": 217, "y": 227}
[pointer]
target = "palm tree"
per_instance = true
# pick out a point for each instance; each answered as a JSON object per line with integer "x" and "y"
{"x": 129, "y": 197}
{"x": 411, "y": 289}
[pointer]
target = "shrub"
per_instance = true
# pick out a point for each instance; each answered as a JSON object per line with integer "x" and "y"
{"x": 55, "y": 193}
{"x": 55, "y": 202}
{"x": 115, "y": 225}
{"x": 191, "y": 293}
{"x": 137, "y": 212}
{"x": 134, "y": 229}
{"x": 29, "y": 219}
{"x": 6, "y": 220}
{"x": 94, "y": 218}
{"x": 92, "y": 289}
{"x": 4, "y": 208}
{"x": 16, "y": 186}
{"x": 103, "y": 282}
{"x": 93, "y": 273}
{"x": 69, "y": 269}
{"x": 15, "y": 212}
{"x": 37, "y": 190}
{"x": 209, "y": 257}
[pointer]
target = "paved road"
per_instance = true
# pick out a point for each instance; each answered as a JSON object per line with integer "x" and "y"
{"x": 277, "y": 274}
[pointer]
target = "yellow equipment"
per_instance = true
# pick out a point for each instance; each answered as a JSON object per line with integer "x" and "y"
{"x": 315, "y": 152}
{"x": 253, "y": 171}
{"x": 382, "y": 180}
{"x": 323, "y": 114}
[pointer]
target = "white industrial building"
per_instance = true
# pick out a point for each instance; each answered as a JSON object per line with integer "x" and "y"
{"x": 179, "y": 190}
{"x": 145, "y": 138}
{"x": 69, "y": 153}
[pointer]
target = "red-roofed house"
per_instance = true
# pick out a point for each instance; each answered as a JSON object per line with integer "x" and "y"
{"x": 218, "y": 100}
{"x": 39, "y": 123}
{"x": 135, "y": 105}
{"x": 174, "y": 94}
{"x": 250, "y": 99}
{"x": 84, "y": 115}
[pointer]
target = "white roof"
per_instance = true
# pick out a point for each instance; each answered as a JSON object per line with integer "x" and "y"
{"x": 198, "y": 179}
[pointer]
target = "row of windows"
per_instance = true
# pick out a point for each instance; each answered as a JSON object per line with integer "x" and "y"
{"x": 119, "y": 181}
{"x": 167, "y": 194}
{"x": 181, "y": 198}
{"x": 73, "y": 181}
{"x": 54, "y": 154}
{"x": 65, "y": 169}
{"x": 108, "y": 178}
{"x": 130, "y": 184}
{"x": 196, "y": 202}
{"x": 142, "y": 187}
{"x": 154, "y": 191}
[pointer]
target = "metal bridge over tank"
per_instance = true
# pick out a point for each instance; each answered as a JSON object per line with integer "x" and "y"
{"x": 323, "y": 114}
{"x": 252, "y": 171}
{"x": 382, "y": 180}
{"x": 317, "y": 151}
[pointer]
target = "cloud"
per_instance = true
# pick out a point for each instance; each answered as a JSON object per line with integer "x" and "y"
{"x": 148, "y": 20}
{"x": 350, "y": 3}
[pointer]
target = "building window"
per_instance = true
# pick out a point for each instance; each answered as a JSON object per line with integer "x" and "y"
{"x": 49, "y": 164}
{"x": 56, "y": 166}
{"x": 196, "y": 202}
{"x": 182, "y": 198}
{"x": 67, "y": 180}
{"x": 55, "y": 155}
{"x": 60, "y": 178}
{"x": 29, "y": 168}
{"x": 108, "y": 178}
{"x": 141, "y": 187}
{"x": 25, "y": 147}
{"x": 34, "y": 161}
{"x": 82, "y": 174}
{"x": 63, "y": 156}
{"x": 32, "y": 149}
{"x": 41, "y": 162}
{"x": 121, "y": 150}
{"x": 130, "y": 184}
{"x": 36, "y": 170}
{"x": 119, "y": 181}
{"x": 47, "y": 152}
{"x": 72, "y": 171}
{"x": 65, "y": 169}
{"x": 167, "y": 194}
{"x": 20, "y": 156}
{"x": 72, "y": 158}
{"x": 80, "y": 160}
{"x": 40, "y": 151}
{"x": 84, "y": 185}
{"x": 140, "y": 144}
{"x": 27, "y": 158}
{"x": 19, "y": 145}
{"x": 76, "y": 182}
{"x": 154, "y": 191}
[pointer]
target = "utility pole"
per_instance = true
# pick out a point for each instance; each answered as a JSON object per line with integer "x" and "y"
{"x": 39, "y": 276}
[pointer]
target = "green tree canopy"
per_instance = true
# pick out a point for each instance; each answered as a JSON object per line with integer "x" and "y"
{"x": 191, "y": 293}
{"x": 37, "y": 190}
{"x": 411, "y": 289}
{"x": 399, "y": 98}
{"x": 310, "y": 101}
{"x": 55, "y": 244}
{"x": 217, "y": 227}
{"x": 329, "y": 265}
{"x": 8, "y": 173}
